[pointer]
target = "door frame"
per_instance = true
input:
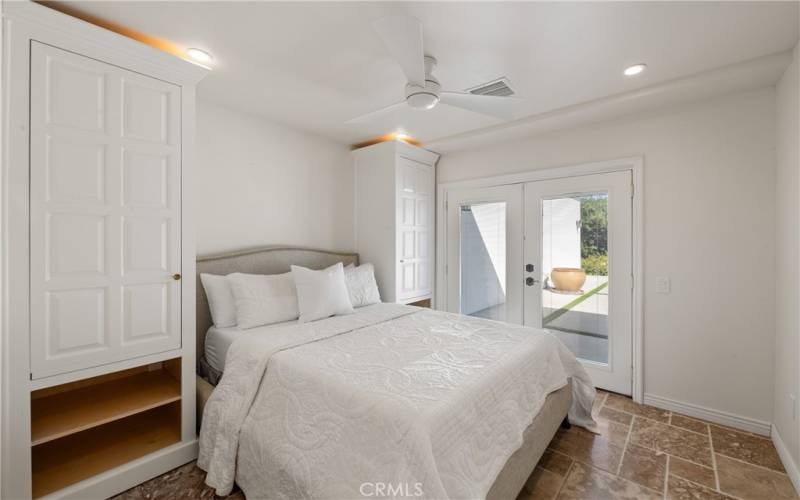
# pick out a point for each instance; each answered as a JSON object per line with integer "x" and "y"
{"x": 634, "y": 164}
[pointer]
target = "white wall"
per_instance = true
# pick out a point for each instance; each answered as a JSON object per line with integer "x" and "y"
{"x": 787, "y": 350}
{"x": 709, "y": 225}
{"x": 261, "y": 183}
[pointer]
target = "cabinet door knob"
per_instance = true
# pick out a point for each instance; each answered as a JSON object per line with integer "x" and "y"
{"x": 176, "y": 276}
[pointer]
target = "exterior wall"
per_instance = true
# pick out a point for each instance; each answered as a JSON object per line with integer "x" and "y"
{"x": 561, "y": 245}
{"x": 483, "y": 257}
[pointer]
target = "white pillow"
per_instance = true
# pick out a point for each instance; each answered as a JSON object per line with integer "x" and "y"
{"x": 321, "y": 294}
{"x": 361, "y": 285}
{"x": 263, "y": 299}
{"x": 220, "y": 300}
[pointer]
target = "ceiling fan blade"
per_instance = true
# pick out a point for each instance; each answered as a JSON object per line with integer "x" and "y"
{"x": 402, "y": 35}
{"x": 497, "y": 106}
{"x": 373, "y": 114}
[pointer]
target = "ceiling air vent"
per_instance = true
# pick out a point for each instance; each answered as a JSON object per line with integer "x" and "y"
{"x": 500, "y": 87}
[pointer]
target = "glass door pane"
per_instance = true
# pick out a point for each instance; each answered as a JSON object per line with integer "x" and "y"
{"x": 482, "y": 235}
{"x": 575, "y": 273}
{"x": 483, "y": 270}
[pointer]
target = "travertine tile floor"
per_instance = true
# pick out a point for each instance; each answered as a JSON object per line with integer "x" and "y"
{"x": 641, "y": 453}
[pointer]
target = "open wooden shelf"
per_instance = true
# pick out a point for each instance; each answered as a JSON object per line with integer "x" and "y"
{"x": 62, "y": 462}
{"x": 61, "y": 414}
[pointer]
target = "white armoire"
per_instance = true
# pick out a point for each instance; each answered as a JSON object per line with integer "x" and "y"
{"x": 98, "y": 361}
{"x": 395, "y": 191}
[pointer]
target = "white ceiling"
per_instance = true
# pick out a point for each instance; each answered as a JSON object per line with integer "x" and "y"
{"x": 316, "y": 65}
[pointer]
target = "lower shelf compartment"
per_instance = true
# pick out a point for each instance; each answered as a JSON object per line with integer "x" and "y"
{"x": 62, "y": 462}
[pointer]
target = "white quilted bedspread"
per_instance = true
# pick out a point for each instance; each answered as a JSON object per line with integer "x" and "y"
{"x": 427, "y": 403}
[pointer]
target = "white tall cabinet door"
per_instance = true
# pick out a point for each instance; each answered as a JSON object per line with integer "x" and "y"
{"x": 105, "y": 223}
{"x": 415, "y": 184}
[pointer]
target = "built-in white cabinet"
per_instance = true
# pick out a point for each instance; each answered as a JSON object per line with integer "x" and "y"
{"x": 98, "y": 268}
{"x": 395, "y": 190}
{"x": 105, "y": 213}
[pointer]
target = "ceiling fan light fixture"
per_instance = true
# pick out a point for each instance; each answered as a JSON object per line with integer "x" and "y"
{"x": 422, "y": 100}
{"x": 426, "y": 97}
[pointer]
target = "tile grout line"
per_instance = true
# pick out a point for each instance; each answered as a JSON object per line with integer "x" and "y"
{"x": 727, "y": 428}
{"x": 707, "y": 488}
{"x": 605, "y": 398}
{"x": 564, "y": 481}
{"x": 625, "y": 446}
{"x": 680, "y": 458}
{"x": 668, "y": 422}
{"x": 676, "y": 456}
{"x": 713, "y": 458}
{"x": 634, "y": 415}
{"x": 615, "y": 476}
{"x": 763, "y": 467}
{"x": 706, "y": 422}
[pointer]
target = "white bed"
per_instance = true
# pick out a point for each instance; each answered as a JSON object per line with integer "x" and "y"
{"x": 219, "y": 340}
{"x": 437, "y": 404}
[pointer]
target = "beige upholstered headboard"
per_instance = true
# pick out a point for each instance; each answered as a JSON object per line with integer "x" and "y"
{"x": 266, "y": 260}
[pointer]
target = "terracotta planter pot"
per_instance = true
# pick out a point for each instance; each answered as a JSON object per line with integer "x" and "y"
{"x": 568, "y": 279}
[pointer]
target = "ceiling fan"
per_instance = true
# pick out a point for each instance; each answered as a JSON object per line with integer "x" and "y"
{"x": 403, "y": 37}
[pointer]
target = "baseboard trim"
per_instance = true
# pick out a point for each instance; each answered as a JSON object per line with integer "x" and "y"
{"x": 716, "y": 416}
{"x": 786, "y": 458}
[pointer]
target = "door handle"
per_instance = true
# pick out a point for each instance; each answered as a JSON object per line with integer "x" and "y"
{"x": 176, "y": 276}
{"x": 530, "y": 281}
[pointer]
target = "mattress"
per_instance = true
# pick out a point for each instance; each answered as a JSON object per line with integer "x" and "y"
{"x": 219, "y": 340}
{"x": 395, "y": 394}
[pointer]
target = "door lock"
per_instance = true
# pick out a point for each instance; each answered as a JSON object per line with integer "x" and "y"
{"x": 529, "y": 268}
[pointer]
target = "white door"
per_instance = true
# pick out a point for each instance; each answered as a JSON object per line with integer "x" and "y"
{"x": 105, "y": 213}
{"x": 414, "y": 229}
{"x": 578, "y": 270}
{"x": 484, "y": 252}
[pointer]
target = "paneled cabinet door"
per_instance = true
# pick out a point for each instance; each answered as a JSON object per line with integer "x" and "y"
{"x": 105, "y": 213}
{"x": 414, "y": 226}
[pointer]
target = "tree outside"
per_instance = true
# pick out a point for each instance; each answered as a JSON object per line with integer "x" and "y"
{"x": 594, "y": 234}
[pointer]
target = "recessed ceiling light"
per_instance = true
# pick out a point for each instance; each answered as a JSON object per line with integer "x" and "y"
{"x": 199, "y": 55}
{"x": 401, "y": 136}
{"x": 635, "y": 69}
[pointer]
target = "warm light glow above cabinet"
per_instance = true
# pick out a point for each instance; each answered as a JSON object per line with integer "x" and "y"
{"x": 394, "y": 136}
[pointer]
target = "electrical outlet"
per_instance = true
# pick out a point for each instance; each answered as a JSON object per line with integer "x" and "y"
{"x": 662, "y": 285}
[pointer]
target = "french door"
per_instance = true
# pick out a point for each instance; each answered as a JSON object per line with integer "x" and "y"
{"x": 578, "y": 270}
{"x": 552, "y": 254}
